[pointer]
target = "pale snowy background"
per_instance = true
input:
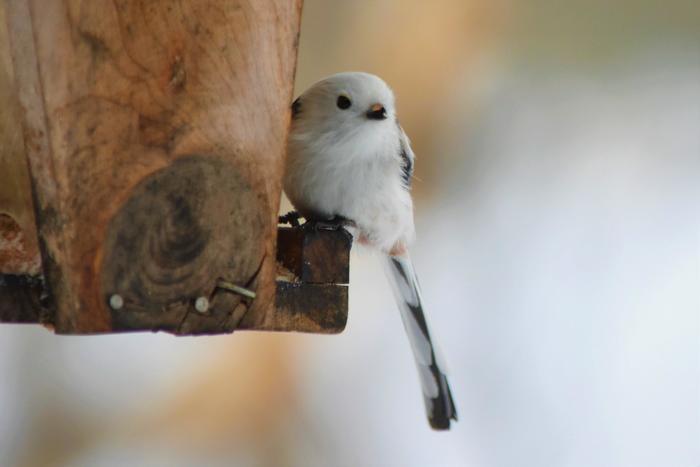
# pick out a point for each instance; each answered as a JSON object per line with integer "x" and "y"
{"x": 558, "y": 216}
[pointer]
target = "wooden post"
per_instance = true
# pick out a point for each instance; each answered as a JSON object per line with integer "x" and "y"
{"x": 154, "y": 132}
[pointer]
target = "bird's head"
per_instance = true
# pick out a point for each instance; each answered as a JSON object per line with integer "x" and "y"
{"x": 349, "y": 100}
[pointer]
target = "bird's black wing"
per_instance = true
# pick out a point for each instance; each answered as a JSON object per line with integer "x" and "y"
{"x": 296, "y": 108}
{"x": 407, "y": 158}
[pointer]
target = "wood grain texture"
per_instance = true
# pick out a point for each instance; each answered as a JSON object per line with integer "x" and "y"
{"x": 314, "y": 308}
{"x": 176, "y": 236}
{"x": 117, "y": 97}
{"x": 299, "y": 306}
{"x": 312, "y": 283}
{"x": 315, "y": 256}
{"x": 19, "y": 247}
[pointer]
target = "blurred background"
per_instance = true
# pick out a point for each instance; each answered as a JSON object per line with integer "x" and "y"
{"x": 558, "y": 218}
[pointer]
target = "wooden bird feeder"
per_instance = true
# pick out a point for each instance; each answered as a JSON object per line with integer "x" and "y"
{"x": 141, "y": 155}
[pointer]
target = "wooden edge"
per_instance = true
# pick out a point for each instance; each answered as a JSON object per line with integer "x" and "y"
{"x": 313, "y": 308}
{"x": 320, "y": 308}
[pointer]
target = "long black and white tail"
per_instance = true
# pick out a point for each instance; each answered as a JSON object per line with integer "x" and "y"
{"x": 436, "y": 391}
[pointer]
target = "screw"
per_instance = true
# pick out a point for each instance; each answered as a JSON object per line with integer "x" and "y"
{"x": 116, "y": 302}
{"x": 201, "y": 304}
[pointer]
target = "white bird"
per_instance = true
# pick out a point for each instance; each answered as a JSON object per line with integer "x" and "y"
{"x": 350, "y": 162}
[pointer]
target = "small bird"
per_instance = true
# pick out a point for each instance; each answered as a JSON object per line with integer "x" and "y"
{"x": 350, "y": 163}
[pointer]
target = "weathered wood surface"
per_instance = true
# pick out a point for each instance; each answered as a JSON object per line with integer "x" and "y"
{"x": 154, "y": 132}
{"x": 316, "y": 308}
{"x": 21, "y": 300}
{"x": 312, "y": 281}
{"x": 319, "y": 307}
{"x": 315, "y": 256}
{"x": 19, "y": 248}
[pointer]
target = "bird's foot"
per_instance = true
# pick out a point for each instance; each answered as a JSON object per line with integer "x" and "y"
{"x": 291, "y": 218}
{"x": 334, "y": 223}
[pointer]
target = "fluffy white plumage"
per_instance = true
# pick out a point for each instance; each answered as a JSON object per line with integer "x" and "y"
{"x": 339, "y": 162}
{"x": 348, "y": 157}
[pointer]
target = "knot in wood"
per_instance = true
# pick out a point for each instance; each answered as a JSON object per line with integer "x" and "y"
{"x": 182, "y": 229}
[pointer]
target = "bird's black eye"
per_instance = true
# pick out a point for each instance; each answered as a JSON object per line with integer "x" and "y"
{"x": 343, "y": 102}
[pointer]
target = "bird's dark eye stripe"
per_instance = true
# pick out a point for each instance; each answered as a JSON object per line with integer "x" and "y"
{"x": 343, "y": 102}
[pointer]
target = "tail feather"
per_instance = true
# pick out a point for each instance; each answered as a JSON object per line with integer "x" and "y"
{"x": 436, "y": 390}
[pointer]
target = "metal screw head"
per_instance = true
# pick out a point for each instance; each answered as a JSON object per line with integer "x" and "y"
{"x": 116, "y": 302}
{"x": 201, "y": 304}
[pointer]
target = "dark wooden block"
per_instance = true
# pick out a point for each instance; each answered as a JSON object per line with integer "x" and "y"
{"x": 315, "y": 256}
{"x": 316, "y": 308}
{"x": 21, "y": 299}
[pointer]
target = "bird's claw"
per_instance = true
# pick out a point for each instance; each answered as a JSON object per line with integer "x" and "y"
{"x": 291, "y": 218}
{"x": 332, "y": 224}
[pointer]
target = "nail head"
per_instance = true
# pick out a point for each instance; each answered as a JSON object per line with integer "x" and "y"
{"x": 116, "y": 302}
{"x": 201, "y": 304}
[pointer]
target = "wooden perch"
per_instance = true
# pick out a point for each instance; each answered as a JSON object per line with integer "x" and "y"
{"x": 312, "y": 292}
{"x": 151, "y": 152}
